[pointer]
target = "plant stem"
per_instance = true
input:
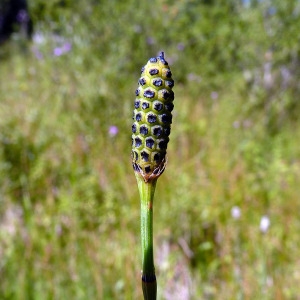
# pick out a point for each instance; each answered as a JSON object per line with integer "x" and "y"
{"x": 146, "y": 190}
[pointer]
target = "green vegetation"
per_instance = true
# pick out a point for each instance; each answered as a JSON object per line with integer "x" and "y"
{"x": 69, "y": 205}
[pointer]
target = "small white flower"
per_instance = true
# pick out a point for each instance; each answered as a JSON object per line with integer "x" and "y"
{"x": 236, "y": 124}
{"x": 39, "y": 38}
{"x": 264, "y": 224}
{"x": 236, "y": 212}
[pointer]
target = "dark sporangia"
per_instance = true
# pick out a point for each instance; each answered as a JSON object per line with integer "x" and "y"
{"x": 137, "y": 104}
{"x": 166, "y": 118}
{"x": 142, "y": 81}
{"x": 157, "y": 131}
{"x": 158, "y": 106}
{"x": 170, "y": 84}
{"x": 138, "y": 117}
{"x": 145, "y": 155}
{"x": 133, "y": 128}
{"x": 169, "y": 106}
{"x": 145, "y": 105}
{"x": 138, "y": 142}
{"x": 153, "y": 71}
{"x": 151, "y": 118}
{"x": 150, "y": 142}
{"x": 149, "y": 94}
{"x": 157, "y": 82}
{"x": 143, "y": 130}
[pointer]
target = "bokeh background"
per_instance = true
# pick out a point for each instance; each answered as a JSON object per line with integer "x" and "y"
{"x": 226, "y": 214}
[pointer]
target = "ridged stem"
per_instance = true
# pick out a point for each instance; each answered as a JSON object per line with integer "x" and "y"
{"x": 146, "y": 190}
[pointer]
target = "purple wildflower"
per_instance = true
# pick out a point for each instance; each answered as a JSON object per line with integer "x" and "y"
{"x": 113, "y": 130}
{"x": 214, "y": 95}
{"x": 66, "y": 47}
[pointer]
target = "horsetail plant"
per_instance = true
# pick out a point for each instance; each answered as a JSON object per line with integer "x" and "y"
{"x": 150, "y": 136}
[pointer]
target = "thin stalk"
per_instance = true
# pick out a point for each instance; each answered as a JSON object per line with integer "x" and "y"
{"x": 146, "y": 190}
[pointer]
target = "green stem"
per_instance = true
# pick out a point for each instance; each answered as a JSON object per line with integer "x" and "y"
{"x": 146, "y": 190}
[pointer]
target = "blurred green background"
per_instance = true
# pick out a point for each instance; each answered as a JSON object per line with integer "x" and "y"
{"x": 226, "y": 214}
